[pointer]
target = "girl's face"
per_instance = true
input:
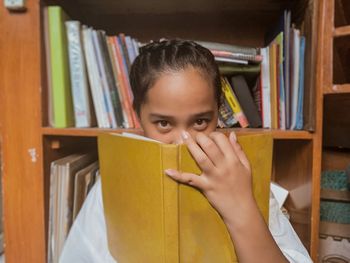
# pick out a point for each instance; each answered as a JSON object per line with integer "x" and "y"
{"x": 179, "y": 101}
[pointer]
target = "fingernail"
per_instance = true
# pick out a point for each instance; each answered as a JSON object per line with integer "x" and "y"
{"x": 170, "y": 172}
{"x": 233, "y": 136}
{"x": 184, "y": 135}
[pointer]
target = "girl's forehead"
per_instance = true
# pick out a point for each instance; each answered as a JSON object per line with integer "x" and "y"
{"x": 187, "y": 85}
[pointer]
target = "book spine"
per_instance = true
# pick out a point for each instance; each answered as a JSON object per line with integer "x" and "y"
{"x": 273, "y": 84}
{"x": 266, "y": 88}
{"x": 117, "y": 107}
{"x": 295, "y": 76}
{"x": 78, "y": 76}
{"x": 95, "y": 86}
{"x": 115, "y": 68}
{"x": 104, "y": 84}
{"x": 126, "y": 78}
{"x": 124, "y": 82}
{"x": 234, "y": 104}
{"x": 299, "y": 119}
{"x": 170, "y": 159}
{"x": 62, "y": 97}
{"x": 239, "y": 56}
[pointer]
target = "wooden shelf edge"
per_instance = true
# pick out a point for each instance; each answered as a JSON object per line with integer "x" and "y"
{"x": 334, "y": 229}
{"x": 93, "y": 132}
{"x": 341, "y": 31}
{"x": 328, "y": 194}
{"x": 338, "y": 89}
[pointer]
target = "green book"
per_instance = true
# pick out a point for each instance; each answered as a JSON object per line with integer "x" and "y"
{"x": 61, "y": 88}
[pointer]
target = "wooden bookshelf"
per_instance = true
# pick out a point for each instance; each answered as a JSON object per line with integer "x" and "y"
{"x": 333, "y": 122}
{"x": 29, "y": 146}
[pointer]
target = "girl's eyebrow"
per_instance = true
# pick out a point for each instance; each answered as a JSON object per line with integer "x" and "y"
{"x": 193, "y": 116}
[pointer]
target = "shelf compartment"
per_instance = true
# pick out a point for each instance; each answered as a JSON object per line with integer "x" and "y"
{"x": 336, "y": 122}
{"x": 341, "y": 59}
{"x": 342, "y": 13}
{"x": 93, "y": 132}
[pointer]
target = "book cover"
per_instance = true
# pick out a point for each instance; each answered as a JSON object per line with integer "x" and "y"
{"x": 245, "y": 98}
{"x": 61, "y": 88}
{"x": 231, "y": 98}
{"x": 151, "y": 218}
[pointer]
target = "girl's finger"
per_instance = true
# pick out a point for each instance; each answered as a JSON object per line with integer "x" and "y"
{"x": 211, "y": 149}
{"x": 238, "y": 150}
{"x": 198, "y": 154}
{"x": 186, "y": 178}
{"x": 224, "y": 144}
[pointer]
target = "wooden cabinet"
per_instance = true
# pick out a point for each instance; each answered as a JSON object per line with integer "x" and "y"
{"x": 28, "y": 145}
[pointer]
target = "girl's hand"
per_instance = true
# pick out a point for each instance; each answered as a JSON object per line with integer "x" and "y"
{"x": 226, "y": 181}
{"x": 226, "y": 174}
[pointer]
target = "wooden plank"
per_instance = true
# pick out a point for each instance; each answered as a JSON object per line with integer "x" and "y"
{"x": 334, "y": 229}
{"x": 333, "y": 195}
{"x": 338, "y": 88}
{"x": 21, "y": 141}
{"x": 341, "y": 31}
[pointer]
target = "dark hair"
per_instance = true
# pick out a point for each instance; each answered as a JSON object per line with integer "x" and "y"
{"x": 170, "y": 55}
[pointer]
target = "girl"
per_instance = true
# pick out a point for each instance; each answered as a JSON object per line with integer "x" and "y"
{"x": 177, "y": 91}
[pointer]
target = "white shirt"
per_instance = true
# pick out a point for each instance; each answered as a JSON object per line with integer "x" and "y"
{"x": 87, "y": 239}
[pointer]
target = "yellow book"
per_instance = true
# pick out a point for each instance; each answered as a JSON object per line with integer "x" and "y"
{"x": 151, "y": 218}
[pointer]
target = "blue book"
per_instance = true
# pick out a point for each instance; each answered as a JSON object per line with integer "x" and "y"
{"x": 299, "y": 120}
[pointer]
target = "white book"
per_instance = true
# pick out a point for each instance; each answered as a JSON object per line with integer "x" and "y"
{"x": 79, "y": 83}
{"x": 94, "y": 79}
{"x": 266, "y": 88}
{"x": 103, "y": 78}
{"x": 231, "y": 60}
{"x": 295, "y": 77}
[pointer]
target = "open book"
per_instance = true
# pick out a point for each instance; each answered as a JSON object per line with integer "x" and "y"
{"x": 151, "y": 218}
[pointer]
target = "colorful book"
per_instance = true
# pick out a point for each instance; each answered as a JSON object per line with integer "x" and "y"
{"x": 233, "y": 102}
{"x": 108, "y": 70}
{"x": 151, "y": 218}
{"x": 61, "y": 88}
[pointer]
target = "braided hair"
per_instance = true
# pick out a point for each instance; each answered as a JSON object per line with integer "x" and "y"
{"x": 165, "y": 56}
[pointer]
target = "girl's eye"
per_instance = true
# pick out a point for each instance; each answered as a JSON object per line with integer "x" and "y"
{"x": 201, "y": 124}
{"x": 163, "y": 125}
